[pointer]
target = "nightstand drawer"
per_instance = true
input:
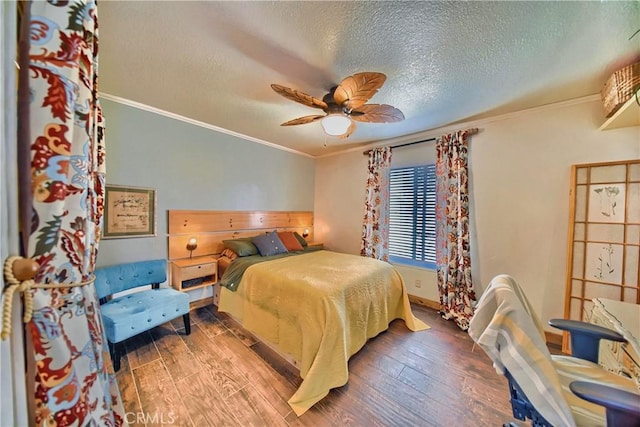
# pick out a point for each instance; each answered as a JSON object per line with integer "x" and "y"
{"x": 189, "y": 274}
{"x": 195, "y": 271}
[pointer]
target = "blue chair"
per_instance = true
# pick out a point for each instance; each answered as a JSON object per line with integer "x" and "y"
{"x": 133, "y": 313}
{"x": 550, "y": 390}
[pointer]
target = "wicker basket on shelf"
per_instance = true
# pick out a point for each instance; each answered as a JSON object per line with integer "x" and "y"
{"x": 620, "y": 87}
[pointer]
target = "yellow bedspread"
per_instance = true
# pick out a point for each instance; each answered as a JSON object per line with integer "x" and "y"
{"x": 321, "y": 308}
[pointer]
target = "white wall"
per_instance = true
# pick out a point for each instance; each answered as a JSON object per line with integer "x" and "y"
{"x": 520, "y": 168}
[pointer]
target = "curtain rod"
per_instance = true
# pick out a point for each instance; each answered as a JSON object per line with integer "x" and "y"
{"x": 470, "y": 132}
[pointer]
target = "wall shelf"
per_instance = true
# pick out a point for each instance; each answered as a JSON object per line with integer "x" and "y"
{"x": 627, "y": 115}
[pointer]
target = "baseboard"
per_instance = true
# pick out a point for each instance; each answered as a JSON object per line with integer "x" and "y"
{"x": 553, "y": 339}
{"x": 204, "y": 302}
{"x": 550, "y": 337}
{"x": 424, "y": 302}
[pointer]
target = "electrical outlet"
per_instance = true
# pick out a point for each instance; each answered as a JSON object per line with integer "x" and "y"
{"x": 418, "y": 283}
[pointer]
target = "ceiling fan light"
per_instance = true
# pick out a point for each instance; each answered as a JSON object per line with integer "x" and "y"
{"x": 335, "y": 124}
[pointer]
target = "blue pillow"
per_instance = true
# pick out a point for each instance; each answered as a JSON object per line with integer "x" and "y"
{"x": 269, "y": 244}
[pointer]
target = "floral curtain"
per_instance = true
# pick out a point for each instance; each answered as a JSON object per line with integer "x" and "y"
{"x": 74, "y": 379}
{"x": 453, "y": 259}
{"x": 375, "y": 228}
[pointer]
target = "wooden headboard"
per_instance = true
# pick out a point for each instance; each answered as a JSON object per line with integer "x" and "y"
{"x": 210, "y": 228}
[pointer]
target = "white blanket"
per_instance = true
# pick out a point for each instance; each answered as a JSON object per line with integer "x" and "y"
{"x": 508, "y": 330}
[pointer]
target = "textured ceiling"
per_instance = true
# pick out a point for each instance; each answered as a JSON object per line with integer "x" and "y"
{"x": 445, "y": 61}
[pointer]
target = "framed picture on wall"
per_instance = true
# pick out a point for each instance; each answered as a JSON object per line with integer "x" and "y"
{"x": 129, "y": 212}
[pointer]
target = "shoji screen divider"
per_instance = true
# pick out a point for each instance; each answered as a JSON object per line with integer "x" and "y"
{"x": 604, "y": 236}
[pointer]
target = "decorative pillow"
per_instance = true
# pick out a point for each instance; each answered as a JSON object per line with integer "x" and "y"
{"x": 229, "y": 254}
{"x": 300, "y": 239}
{"x": 242, "y": 246}
{"x": 290, "y": 241}
{"x": 269, "y": 244}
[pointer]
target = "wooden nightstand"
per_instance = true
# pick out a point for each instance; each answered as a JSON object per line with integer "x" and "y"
{"x": 315, "y": 245}
{"x": 194, "y": 273}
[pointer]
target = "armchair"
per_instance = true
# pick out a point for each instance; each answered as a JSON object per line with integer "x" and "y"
{"x": 511, "y": 334}
{"x": 133, "y": 313}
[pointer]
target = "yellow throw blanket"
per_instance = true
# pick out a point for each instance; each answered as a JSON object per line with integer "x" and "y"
{"x": 321, "y": 308}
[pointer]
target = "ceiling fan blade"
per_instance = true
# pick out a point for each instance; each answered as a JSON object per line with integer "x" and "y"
{"x": 349, "y": 131}
{"x": 378, "y": 113}
{"x": 300, "y": 97}
{"x": 356, "y": 90}
{"x": 302, "y": 120}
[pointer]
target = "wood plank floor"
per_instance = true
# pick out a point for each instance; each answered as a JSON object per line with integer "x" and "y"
{"x": 219, "y": 375}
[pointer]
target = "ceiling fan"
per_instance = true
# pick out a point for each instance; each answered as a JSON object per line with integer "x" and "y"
{"x": 344, "y": 105}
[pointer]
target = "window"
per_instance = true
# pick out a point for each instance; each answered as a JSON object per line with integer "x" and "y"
{"x": 412, "y": 219}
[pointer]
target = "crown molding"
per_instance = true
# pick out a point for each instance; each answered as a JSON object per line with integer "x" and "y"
{"x": 431, "y": 133}
{"x": 184, "y": 119}
{"x": 439, "y": 131}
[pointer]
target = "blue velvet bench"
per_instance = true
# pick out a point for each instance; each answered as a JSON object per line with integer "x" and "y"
{"x": 131, "y": 314}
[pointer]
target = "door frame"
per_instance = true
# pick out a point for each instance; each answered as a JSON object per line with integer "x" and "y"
{"x": 13, "y": 396}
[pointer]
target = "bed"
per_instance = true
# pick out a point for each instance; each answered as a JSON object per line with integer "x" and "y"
{"x": 315, "y": 307}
